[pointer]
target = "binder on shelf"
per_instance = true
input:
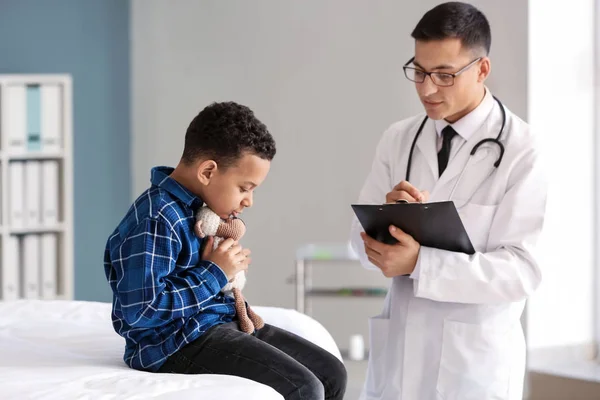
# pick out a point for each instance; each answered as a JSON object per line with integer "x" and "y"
{"x": 49, "y": 265}
{"x": 14, "y": 122}
{"x": 10, "y": 270}
{"x": 31, "y": 266}
{"x": 16, "y": 202}
{"x": 51, "y": 118}
{"x": 50, "y": 192}
{"x": 34, "y": 115}
{"x": 32, "y": 193}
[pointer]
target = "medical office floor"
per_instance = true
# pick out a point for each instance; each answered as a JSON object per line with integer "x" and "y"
{"x": 564, "y": 373}
{"x": 550, "y": 387}
{"x": 541, "y": 386}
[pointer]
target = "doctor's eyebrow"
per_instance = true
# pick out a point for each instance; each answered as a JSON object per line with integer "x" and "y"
{"x": 442, "y": 66}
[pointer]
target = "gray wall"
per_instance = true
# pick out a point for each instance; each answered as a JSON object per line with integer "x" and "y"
{"x": 89, "y": 40}
{"x": 326, "y": 78}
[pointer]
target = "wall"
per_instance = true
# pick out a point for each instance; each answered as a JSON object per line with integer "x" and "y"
{"x": 89, "y": 40}
{"x": 326, "y": 78}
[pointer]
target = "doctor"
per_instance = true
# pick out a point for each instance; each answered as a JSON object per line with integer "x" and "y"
{"x": 451, "y": 328}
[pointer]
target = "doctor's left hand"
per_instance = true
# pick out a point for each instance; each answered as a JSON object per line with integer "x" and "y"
{"x": 396, "y": 259}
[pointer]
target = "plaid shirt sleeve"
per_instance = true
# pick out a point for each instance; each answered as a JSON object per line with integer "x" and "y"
{"x": 149, "y": 293}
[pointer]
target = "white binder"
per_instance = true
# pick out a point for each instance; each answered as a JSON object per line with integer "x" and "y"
{"x": 49, "y": 264}
{"x": 16, "y": 201}
{"x": 49, "y": 194}
{"x": 14, "y": 121}
{"x": 10, "y": 271}
{"x": 33, "y": 193}
{"x": 51, "y": 118}
{"x": 31, "y": 266}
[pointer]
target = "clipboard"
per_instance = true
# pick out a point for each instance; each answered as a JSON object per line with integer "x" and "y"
{"x": 434, "y": 224}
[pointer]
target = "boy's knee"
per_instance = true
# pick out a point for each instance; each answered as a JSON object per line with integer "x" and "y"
{"x": 337, "y": 378}
{"x": 311, "y": 388}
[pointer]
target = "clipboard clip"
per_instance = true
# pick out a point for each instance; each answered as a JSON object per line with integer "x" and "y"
{"x": 403, "y": 201}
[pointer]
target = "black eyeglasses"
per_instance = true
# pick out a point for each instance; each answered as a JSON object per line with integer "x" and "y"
{"x": 439, "y": 78}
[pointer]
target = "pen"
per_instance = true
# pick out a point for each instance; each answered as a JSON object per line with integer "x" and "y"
{"x": 405, "y": 201}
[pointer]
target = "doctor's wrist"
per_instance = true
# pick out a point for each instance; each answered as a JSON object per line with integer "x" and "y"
{"x": 414, "y": 274}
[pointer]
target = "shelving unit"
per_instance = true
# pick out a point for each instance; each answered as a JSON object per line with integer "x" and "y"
{"x": 325, "y": 255}
{"x": 36, "y": 187}
{"x": 347, "y": 292}
{"x": 306, "y": 256}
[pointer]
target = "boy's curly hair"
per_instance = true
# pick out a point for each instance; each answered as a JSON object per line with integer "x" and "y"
{"x": 225, "y": 131}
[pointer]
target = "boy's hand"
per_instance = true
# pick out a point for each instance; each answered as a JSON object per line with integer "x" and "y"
{"x": 229, "y": 256}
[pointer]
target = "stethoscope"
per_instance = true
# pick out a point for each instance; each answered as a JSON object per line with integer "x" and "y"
{"x": 495, "y": 140}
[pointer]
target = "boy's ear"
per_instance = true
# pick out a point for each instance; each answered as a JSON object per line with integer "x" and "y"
{"x": 206, "y": 170}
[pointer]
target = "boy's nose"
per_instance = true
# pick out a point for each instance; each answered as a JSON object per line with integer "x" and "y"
{"x": 247, "y": 202}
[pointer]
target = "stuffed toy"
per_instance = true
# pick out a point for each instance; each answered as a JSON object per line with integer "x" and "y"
{"x": 210, "y": 224}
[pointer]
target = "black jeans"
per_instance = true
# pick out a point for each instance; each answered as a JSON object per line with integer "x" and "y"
{"x": 293, "y": 366}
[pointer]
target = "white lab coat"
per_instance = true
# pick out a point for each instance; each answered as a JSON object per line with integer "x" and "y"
{"x": 453, "y": 331}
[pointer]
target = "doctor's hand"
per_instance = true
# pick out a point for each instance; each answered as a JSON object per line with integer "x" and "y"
{"x": 406, "y": 191}
{"x": 396, "y": 259}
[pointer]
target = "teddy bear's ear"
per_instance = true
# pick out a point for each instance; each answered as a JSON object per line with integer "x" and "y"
{"x": 210, "y": 220}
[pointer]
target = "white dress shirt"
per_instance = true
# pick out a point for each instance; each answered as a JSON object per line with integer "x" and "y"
{"x": 467, "y": 125}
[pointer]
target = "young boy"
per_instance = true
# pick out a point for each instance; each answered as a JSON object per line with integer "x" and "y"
{"x": 166, "y": 295}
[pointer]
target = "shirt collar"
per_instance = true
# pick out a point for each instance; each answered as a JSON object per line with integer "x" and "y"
{"x": 160, "y": 177}
{"x": 470, "y": 123}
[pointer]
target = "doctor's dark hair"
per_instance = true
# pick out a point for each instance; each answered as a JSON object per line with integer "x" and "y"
{"x": 223, "y": 132}
{"x": 456, "y": 20}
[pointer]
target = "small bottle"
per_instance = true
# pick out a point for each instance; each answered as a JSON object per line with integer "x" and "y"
{"x": 356, "y": 350}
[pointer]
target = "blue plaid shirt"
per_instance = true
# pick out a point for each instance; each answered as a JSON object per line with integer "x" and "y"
{"x": 164, "y": 296}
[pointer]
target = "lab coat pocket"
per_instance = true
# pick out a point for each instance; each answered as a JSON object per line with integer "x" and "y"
{"x": 475, "y": 362}
{"x": 477, "y": 220}
{"x": 376, "y": 371}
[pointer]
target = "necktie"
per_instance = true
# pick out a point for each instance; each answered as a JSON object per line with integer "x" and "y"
{"x": 444, "y": 154}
